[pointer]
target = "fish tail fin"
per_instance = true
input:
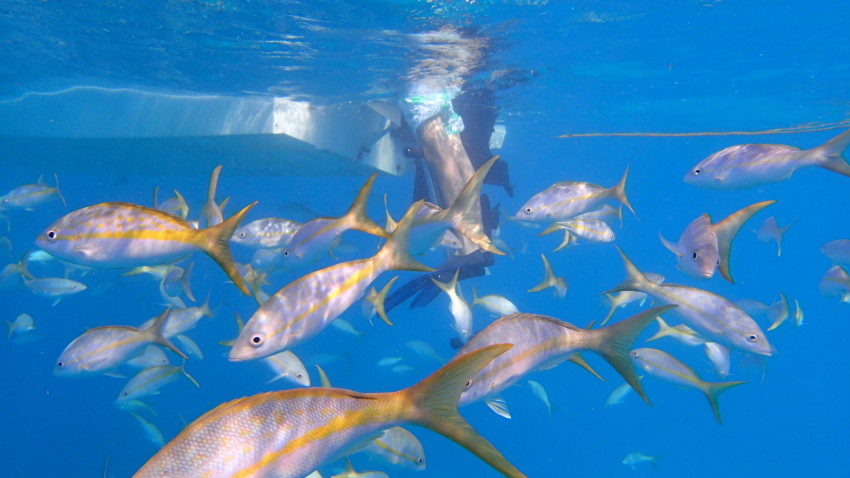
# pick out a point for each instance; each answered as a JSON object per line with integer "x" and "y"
{"x": 712, "y": 392}
{"x": 191, "y": 378}
{"x": 610, "y": 311}
{"x": 356, "y": 216}
{"x": 830, "y": 156}
{"x": 619, "y": 192}
{"x": 549, "y": 279}
{"x": 186, "y": 284}
{"x": 184, "y": 207}
{"x": 391, "y": 223}
{"x": 155, "y": 331}
{"x": 447, "y": 286}
{"x": 780, "y": 314}
{"x": 635, "y": 279}
{"x": 465, "y": 212}
{"x": 566, "y": 242}
{"x": 663, "y": 330}
{"x": 58, "y": 192}
{"x": 395, "y": 250}
{"x": 205, "y": 308}
{"x": 433, "y": 404}
{"x": 728, "y": 228}
{"x": 780, "y": 234}
{"x": 378, "y": 301}
{"x": 614, "y": 343}
{"x": 215, "y": 241}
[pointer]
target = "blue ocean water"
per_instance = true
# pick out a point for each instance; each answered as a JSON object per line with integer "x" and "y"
{"x": 573, "y": 67}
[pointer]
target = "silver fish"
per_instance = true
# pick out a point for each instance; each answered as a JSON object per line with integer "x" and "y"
{"x": 266, "y": 233}
{"x": 541, "y": 342}
{"x": 663, "y": 366}
{"x": 399, "y": 447}
{"x": 708, "y": 313}
{"x": 704, "y": 247}
{"x": 838, "y": 251}
{"x": 567, "y": 199}
{"x": 770, "y": 230}
{"x": 459, "y": 308}
{"x": 54, "y": 287}
{"x": 150, "y": 380}
{"x": 119, "y": 235}
{"x": 636, "y": 458}
{"x": 30, "y": 196}
{"x": 748, "y": 165}
{"x": 307, "y": 305}
{"x": 319, "y": 235}
{"x": 290, "y": 433}
{"x": 103, "y": 349}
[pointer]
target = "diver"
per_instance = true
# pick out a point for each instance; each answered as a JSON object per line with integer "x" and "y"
{"x": 452, "y": 123}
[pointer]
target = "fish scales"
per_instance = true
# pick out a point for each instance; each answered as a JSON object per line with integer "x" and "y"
{"x": 252, "y": 437}
{"x": 147, "y": 228}
{"x": 306, "y": 306}
{"x": 536, "y": 339}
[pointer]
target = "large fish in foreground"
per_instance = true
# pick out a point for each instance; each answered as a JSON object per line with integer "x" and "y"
{"x": 704, "y": 247}
{"x": 310, "y": 303}
{"x": 541, "y": 342}
{"x": 748, "y": 165}
{"x": 706, "y": 312}
{"x": 290, "y": 433}
{"x": 122, "y": 235}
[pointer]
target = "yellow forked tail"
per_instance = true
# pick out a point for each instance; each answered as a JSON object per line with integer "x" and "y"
{"x": 215, "y": 241}
{"x": 434, "y": 405}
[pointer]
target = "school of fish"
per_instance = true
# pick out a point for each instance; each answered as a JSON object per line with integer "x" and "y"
{"x": 301, "y": 430}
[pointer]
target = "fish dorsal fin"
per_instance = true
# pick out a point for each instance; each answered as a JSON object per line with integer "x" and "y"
{"x": 727, "y": 229}
{"x": 671, "y": 246}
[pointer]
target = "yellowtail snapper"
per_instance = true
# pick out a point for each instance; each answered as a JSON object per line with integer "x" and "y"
{"x": 663, "y": 366}
{"x": 307, "y": 305}
{"x": 748, "y": 165}
{"x": 704, "y": 247}
{"x": 290, "y": 433}
{"x": 122, "y": 235}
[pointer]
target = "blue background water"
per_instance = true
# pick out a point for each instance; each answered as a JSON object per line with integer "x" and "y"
{"x": 592, "y": 67}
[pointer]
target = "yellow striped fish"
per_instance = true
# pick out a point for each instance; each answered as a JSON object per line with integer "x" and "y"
{"x": 119, "y": 235}
{"x": 310, "y": 303}
{"x": 290, "y": 433}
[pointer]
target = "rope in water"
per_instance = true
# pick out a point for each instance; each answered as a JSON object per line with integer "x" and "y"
{"x": 805, "y": 128}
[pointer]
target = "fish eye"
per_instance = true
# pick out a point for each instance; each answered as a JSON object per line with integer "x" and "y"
{"x": 257, "y": 340}
{"x": 634, "y": 354}
{"x": 696, "y": 171}
{"x": 51, "y": 235}
{"x": 695, "y": 255}
{"x": 420, "y": 460}
{"x": 468, "y": 384}
{"x": 718, "y": 261}
{"x": 285, "y": 253}
{"x": 60, "y": 364}
{"x": 752, "y": 337}
{"x": 242, "y": 234}
{"x": 528, "y": 210}
{"x": 299, "y": 375}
